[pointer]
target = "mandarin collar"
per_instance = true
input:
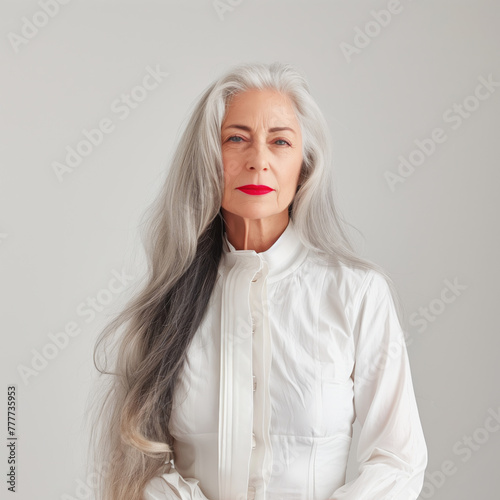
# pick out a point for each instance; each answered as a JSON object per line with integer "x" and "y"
{"x": 285, "y": 255}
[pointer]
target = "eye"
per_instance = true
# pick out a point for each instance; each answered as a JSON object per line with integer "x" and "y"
{"x": 234, "y": 137}
{"x": 282, "y": 140}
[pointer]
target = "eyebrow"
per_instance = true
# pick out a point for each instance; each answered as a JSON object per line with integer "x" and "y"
{"x": 248, "y": 129}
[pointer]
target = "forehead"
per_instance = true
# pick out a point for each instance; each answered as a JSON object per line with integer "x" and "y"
{"x": 264, "y": 104}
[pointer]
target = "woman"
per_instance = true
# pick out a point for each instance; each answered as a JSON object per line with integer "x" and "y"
{"x": 259, "y": 336}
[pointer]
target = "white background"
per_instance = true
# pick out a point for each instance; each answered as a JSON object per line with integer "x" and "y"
{"x": 61, "y": 240}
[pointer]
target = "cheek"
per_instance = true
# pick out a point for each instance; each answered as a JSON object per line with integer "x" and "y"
{"x": 229, "y": 177}
{"x": 229, "y": 181}
{"x": 231, "y": 170}
{"x": 288, "y": 182}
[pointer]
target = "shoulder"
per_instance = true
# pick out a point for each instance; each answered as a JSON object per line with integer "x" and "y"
{"x": 350, "y": 280}
{"x": 346, "y": 282}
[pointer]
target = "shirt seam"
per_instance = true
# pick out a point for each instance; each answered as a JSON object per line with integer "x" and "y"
{"x": 365, "y": 285}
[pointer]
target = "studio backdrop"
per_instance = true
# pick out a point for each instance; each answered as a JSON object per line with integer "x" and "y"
{"x": 94, "y": 96}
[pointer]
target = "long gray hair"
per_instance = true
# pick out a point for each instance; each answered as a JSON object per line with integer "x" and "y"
{"x": 129, "y": 440}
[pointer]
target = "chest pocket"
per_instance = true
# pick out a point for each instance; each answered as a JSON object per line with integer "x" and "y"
{"x": 337, "y": 397}
{"x": 338, "y": 372}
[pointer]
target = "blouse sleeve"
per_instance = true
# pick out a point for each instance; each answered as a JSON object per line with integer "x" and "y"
{"x": 391, "y": 452}
{"x": 172, "y": 486}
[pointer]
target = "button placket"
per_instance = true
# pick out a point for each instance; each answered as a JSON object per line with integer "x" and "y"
{"x": 257, "y": 360}
{"x": 254, "y": 383}
{"x": 251, "y": 492}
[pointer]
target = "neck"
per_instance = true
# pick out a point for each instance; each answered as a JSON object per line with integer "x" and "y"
{"x": 254, "y": 234}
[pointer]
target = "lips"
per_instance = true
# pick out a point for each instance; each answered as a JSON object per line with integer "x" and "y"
{"x": 255, "y": 189}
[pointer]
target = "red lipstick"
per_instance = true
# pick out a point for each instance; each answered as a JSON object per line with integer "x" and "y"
{"x": 255, "y": 189}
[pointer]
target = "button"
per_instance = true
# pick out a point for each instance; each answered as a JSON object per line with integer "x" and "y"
{"x": 254, "y": 442}
{"x": 254, "y": 383}
{"x": 251, "y": 492}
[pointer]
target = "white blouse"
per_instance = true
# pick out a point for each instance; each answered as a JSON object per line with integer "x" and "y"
{"x": 291, "y": 350}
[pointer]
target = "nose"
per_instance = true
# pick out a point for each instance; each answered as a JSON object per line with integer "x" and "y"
{"x": 257, "y": 157}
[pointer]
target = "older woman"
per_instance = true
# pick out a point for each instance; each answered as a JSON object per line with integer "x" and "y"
{"x": 259, "y": 336}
